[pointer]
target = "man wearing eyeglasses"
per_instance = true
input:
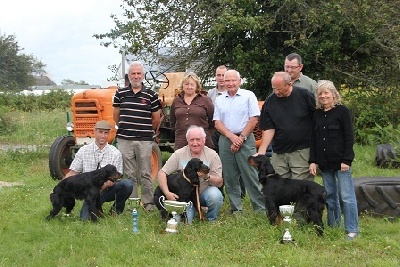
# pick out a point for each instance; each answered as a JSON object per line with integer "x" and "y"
{"x": 293, "y": 66}
{"x": 286, "y": 122}
{"x": 96, "y": 155}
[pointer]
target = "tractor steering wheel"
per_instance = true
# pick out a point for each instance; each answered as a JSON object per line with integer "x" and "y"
{"x": 154, "y": 79}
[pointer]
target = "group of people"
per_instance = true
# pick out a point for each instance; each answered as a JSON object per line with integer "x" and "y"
{"x": 303, "y": 120}
{"x": 308, "y": 127}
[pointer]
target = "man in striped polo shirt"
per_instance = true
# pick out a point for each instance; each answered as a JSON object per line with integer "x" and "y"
{"x": 136, "y": 113}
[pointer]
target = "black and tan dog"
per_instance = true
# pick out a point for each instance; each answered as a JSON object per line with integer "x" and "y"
{"x": 278, "y": 191}
{"x": 185, "y": 184}
{"x": 84, "y": 186}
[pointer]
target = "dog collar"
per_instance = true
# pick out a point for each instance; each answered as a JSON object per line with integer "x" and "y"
{"x": 184, "y": 176}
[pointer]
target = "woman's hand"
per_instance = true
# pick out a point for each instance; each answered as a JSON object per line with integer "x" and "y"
{"x": 313, "y": 169}
{"x": 344, "y": 167}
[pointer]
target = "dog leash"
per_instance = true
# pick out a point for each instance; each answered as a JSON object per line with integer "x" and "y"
{"x": 197, "y": 198}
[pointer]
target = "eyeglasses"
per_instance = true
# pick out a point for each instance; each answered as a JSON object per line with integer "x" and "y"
{"x": 291, "y": 67}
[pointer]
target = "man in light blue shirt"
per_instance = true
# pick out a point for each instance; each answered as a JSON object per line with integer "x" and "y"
{"x": 236, "y": 114}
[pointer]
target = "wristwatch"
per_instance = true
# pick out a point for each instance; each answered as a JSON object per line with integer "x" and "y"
{"x": 244, "y": 137}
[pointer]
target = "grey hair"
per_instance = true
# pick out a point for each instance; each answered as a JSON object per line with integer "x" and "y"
{"x": 137, "y": 63}
{"x": 326, "y": 85}
{"x": 284, "y": 75}
{"x": 192, "y": 127}
{"x": 237, "y": 73}
{"x": 292, "y": 56}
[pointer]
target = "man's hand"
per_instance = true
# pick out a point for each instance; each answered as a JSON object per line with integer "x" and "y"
{"x": 171, "y": 196}
{"x": 107, "y": 184}
{"x": 204, "y": 176}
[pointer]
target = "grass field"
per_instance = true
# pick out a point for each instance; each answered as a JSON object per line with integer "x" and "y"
{"x": 28, "y": 240}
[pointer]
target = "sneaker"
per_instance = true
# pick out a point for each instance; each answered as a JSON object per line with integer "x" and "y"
{"x": 351, "y": 236}
{"x": 204, "y": 209}
{"x": 237, "y": 214}
{"x": 149, "y": 208}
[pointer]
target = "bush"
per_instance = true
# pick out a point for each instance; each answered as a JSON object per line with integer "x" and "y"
{"x": 55, "y": 99}
{"x": 372, "y": 107}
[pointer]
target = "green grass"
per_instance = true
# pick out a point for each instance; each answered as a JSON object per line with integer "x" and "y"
{"x": 36, "y": 127}
{"x": 28, "y": 240}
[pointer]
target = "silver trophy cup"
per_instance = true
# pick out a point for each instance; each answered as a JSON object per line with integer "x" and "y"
{"x": 287, "y": 212}
{"x": 175, "y": 208}
{"x": 134, "y": 202}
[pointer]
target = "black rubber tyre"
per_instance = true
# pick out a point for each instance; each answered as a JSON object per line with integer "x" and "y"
{"x": 60, "y": 157}
{"x": 156, "y": 160}
{"x": 379, "y": 196}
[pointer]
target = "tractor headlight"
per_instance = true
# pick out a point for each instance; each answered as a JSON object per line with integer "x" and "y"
{"x": 70, "y": 126}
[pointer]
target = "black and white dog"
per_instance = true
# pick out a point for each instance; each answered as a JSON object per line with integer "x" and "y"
{"x": 184, "y": 184}
{"x": 84, "y": 186}
{"x": 279, "y": 191}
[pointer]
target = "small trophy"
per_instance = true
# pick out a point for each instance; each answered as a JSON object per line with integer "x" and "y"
{"x": 135, "y": 203}
{"x": 175, "y": 208}
{"x": 287, "y": 212}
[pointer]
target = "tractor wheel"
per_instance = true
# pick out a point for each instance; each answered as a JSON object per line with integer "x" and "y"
{"x": 60, "y": 157}
{"x": 156, "y": 160}
{"x": 378, "y": 195}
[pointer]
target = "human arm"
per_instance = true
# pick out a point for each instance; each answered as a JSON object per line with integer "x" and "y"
{"x": 71, "y": 173}
{"x": 235, "y": 140}
{"x": 210, "y": 112}
{"x": 172, "y": 115}
{"x": 266, "y": 140}
{"x": 155, "y": 119}
{"x": 162, "y": 183}
{"x": 348, "y": 137}
{"x": 170, "y": 166}
{"x": 116, "y": 112}
{"x": 214, "y": 177}
{"x": 312, "y": 160}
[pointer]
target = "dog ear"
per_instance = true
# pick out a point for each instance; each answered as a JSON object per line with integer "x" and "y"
{"x": 253, "y": 161}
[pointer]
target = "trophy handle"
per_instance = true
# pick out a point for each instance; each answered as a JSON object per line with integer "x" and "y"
{"x": 161, "y": 200}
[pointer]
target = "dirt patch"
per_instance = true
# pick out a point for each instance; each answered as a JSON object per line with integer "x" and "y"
{"x": 2, "y": 183}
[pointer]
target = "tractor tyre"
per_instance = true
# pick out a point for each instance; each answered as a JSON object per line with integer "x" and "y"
{"x": 379, "y": 196}
{"x": 156, "y": 160}
{"x": 60, "y": 157}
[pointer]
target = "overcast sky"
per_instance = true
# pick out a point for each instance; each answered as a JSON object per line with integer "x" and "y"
{"x": 59, "y": 34}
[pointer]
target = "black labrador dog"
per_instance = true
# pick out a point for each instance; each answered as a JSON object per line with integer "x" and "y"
{"x": 184, "y": 184}
{"x": 84, "y": 186}
{"x": 279, "y": 191}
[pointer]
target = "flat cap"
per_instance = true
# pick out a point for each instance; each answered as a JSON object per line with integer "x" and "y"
{"x": 102, "y": 125}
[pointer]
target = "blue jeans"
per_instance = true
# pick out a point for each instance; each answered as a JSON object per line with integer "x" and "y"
{"x": 339, "y": 186}
{"x": 119, "y": 192}
{"x": 212, "y": 199}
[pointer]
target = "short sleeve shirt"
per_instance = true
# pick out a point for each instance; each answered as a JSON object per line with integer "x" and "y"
{"x": 178, "y": 160}
{"x": 235, "y": 111}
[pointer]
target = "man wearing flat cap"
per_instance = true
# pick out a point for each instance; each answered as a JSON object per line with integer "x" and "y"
{"x": 97, "y": 155}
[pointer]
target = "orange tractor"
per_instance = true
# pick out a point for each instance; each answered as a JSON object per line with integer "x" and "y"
{"x": 92, "y": 105}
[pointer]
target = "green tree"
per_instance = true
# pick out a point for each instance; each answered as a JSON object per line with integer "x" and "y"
{"x": 349, "y": 42}
{"x": 16, "y": 68}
